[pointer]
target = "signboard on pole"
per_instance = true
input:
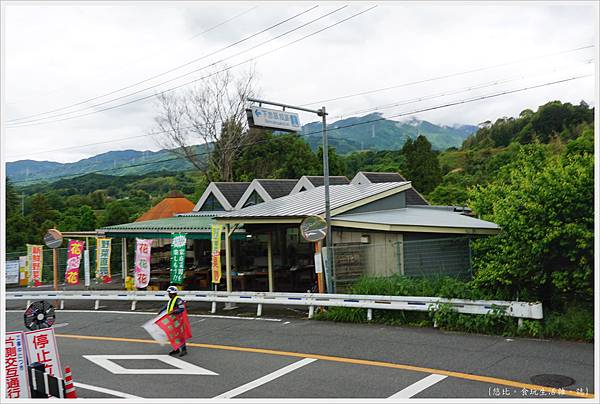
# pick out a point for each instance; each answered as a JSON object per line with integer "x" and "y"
{"x": 273, "y": 119}
{"x": 15, "y": 365}
{"x": 12, "y": 272}
{"x": 318, "y": 263}
{"x": 103, "y": 247}
{"x": 215, "y": 231}
{"x": 74, "y": 251}
{"x": 142, "y": 262}
{"x": 178, "y": 244}
{"x": 41, "y": 347}
{"x": 35, "y": 263}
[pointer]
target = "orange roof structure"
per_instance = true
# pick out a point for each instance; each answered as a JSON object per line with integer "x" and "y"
{"x": 174, "y": 203}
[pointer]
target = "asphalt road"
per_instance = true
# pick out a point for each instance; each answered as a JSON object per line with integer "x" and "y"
{"x": 292, "y": 357}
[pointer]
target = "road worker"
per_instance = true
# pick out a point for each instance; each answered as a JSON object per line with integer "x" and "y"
{"x": 176, "y": 306}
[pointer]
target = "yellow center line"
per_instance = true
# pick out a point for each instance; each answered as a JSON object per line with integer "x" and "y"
{"x": 459, "y": 375}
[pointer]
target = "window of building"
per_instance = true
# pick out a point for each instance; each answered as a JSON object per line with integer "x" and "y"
{"x": 253, "y": 199}
{"x": 211, "y": 204}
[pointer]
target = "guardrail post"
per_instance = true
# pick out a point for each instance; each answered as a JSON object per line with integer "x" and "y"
{"x": 259, "y": 310}
{"x": 369, "y": 314}
{"x": 97, "y": 305}
{"x": 311, "y": 311}
{"x": 213, "y": 309}
{"x": 62, "y": 304}
{"x": 133, "y": 305}
{"x": 28, "y": 303}
{"x": 520, "y": 323}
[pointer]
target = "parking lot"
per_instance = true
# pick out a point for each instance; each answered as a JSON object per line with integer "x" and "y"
{"x": 111, "y": 356}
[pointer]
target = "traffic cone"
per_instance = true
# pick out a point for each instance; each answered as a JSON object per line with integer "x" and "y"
{"x": 69, "y": 387}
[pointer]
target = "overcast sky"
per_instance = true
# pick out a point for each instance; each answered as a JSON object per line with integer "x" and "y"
{"x": 56, "y": 55}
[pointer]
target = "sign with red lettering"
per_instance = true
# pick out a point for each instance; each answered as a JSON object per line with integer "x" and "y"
{"x": 74, "y": 252}
{"x": 17, "y": 380}
{"x": 41, "y": 347}
{"x": 35, "y": 263}
{"x": 142, "y": 262}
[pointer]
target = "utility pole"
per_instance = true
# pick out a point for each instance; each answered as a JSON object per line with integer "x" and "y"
{"x": 328, "y": 240}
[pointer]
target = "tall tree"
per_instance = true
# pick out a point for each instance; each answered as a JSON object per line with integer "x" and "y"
{"x": 214, "y": 114}
{"x": 422, "y": 165}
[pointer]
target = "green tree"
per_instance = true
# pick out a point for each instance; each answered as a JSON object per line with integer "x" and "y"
{"x": 116, "y": 212}
{"x": 422, "y": 164}
{"x": 275, "y": 156}
{"x": 544, "y": 204}
{"x": 87, "y": 219}
{"x": 13, "y": 205}
{"x": 98, "y": 199}
{"x": 337, "y": 165}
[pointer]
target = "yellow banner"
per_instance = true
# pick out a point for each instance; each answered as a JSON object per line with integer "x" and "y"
{"x": 215, "y": 231}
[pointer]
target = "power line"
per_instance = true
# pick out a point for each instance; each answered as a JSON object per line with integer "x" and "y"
{"x": 18, "y": 124}
{"x": 445, "y": 76}
{"x": 371, "y": 109}
{"x": 168, "y": 71}
{"x": 339, "y": 127}
{"x": 200, "y": 78}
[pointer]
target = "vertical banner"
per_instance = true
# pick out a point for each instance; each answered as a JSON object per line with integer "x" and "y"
{"x": 178, "y": 245}
{"x": 142, "y": 262}
{"x": 215, "y": 231}
{"x": 35, "y": 262}
{"x": 15, "y": 365}
{"x": 23, "y": 273}
{"x": 86, "y": 267}
{"x": 74, "y": 251}
{"x": 103, "y": 259}
{"x": 41, "y": 347}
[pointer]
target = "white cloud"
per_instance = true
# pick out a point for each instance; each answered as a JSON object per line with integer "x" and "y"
{"x": 60, "y": 54}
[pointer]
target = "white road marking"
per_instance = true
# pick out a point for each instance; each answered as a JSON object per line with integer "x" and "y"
{"x": 181, "y": 367}
{"x": 103, "y": 390}
{"x": 265, "y": 379}
{"x": 419, "y": 386}
{"x": 154, "y": 313}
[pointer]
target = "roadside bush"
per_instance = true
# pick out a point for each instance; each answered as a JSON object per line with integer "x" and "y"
{"x": 576, "y": 323}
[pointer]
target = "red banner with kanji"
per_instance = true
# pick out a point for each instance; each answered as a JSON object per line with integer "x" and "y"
{"x": 35, "y": 263}
{"x": 74, "y": 252}
{"x": 176, "y": 327}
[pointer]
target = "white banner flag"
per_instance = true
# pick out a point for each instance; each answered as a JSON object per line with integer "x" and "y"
{"x": 15, "y": 365}
{"x": 155, "y": 331}
{"x": 41, "y": 347}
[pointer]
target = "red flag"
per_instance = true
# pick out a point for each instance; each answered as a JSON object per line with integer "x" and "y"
{"x": 176, "y": 327}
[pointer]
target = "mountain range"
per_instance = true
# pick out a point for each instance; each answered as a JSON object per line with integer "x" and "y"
{"x": 370, "y": 132}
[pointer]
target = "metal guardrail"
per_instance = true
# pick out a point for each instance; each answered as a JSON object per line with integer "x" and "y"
{"x": 519, "y": 310}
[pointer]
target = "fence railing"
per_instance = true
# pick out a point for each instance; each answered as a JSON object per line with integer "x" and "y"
{"x": 520, "y": 310}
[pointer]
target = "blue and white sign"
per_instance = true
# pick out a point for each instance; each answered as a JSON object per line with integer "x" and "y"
{"x": 12, "y": 272}
{"x": 275, "y": 119}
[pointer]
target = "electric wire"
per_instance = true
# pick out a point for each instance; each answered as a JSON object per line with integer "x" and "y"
{"x": 198, "y": 79}
{"x": 168, "y": 71}
{"x": 446, "y": 105}
{"x": 180, "y": 76}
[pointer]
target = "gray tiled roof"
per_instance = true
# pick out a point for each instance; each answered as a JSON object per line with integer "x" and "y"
{"x": 376, "y": 177}
{"x": 278, "y": 188}
{"x": 232, "y": 191}
{"x": 312, "y": 202}
{"x": 413, "y": 198}
{"x": 317, "y": 181}
{"x": 419, "y": 216}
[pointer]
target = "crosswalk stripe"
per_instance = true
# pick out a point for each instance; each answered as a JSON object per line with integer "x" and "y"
{"x": 419, "y": 386}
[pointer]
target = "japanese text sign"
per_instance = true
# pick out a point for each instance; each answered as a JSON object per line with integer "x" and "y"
{"x": 41, "y": 347}
{"x": 142, "y": 262}
{"x": 178, "y": 244}
{"x": 74, "y": 251}
{"x": 35, "y": 262}
{"x": 15, "y": 365}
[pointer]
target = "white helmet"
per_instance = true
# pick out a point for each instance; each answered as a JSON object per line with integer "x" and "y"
{"x": 172, "y": 289}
